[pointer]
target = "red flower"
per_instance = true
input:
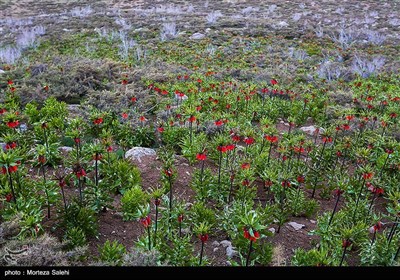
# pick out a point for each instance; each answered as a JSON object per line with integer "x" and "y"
{"x": 377, "y": 226}
{"x": 298, "y": 150}
{"x": 222, "y": 149}
{"x": 219, "y": 122}
{"x": 338, "y": 192}
{"x": 12, "y": 145}
{"x": 245, "y": 165}
{"x": 10, "y": 82}
{"x": 180, "y": 218}
{"x": 80, "y": 173}
{"x": 327, "y": 139}
{"x": 146, "y": 222}
{"x": 199, "y": 81}
{"x": 12, "y": 124}
{"x": 198, "y": 108}
{"x": 9, "y": 197}
{"x": 98, "y": 121}
{"x": 271, "y": 138}
{"x": 41, "y": 159}
{"x": 157, "y": 201}
{"x": 203, "y": 237}
{"x": 2, "y": 111}
{"x": 124, "y": 82}
{"x": 201, "y": 156}
{"x": 142, "y": 118}
{"x": 3, "y": 170}
{"x": 249, "y": 140}
{"x": 124, "y": 115}
{"x": 109, "y": 149}
{"x": 393, "y": 115}
{"x": 97, "y": 157}
{"x": 12, "y": 169}
{"x": 245, "y": 183}
{"x": 164, "y": 92}
{"x": 235, "y": 138}
{"x": 368, "y": 176}
{"x": 389, "y": 151}
{"x": 285, "y": 183}
{"x": 349, "y": 117}
{"x": 346, "y": 243}
{"x": 300, "y": 179}
{"x": 133, "y": 99}
{"x": 338, "y": 153}
{"x": 46, "y": 87}
{"x": 346, "y": 126}
{"x": 160, "y": 129}
{"x": 274, "y": 82}
{"x": 230, "y": 147}
{"x": 168, "y": 172}
{"x": 268, "y": 183}
{"x": 62, "y": 183}
{"x": 192, "y": 119}
{"x": 77, "y": 140}
{"x": 250, "y": 237}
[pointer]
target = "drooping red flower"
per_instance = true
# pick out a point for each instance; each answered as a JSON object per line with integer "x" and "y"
{"x": 109, "y": 149}
{"x": 268, "y": 183}
{"x": 12, "y": 169}
{"x": 160, "y": 129}
{"x": 300, "y": 179}
{"x": 133, "y": 99}
{"x": 338, "y": 192}
{"x": 146, "y": 222}
{"x": 124, "y": 82}
{"x": 42, "y": 159}
{"x": 271, "y": 138}
{"x": 389, "y": 151}
{"x": 157, "y": 201}
{"x": 168, "y": 172}
{"x": 46, "y": 88}
{"x": 192, "y": 119}
{"x": 9, "y": 197}
{"x": 142, "y": 118}
{"x": 124, "y": 115}
{"x": 180, "y": 218}
{"x": 97, "y": 156}
{"x": 377, "y": 226}
{"x": 346, "y": 126}
{"x": 327, "y": 139}
{"x": 222, "y": 149}
{"x": 349, "y": 117}
{"x": 249, "y": 140}
{"x": 10, "y": 146}
{"x": 10, "y": 82}
{"x": 230, "y": 147}
{"x": 98, "y": 121}
{"x": 77, "y": 140}
{"x": 393, "y": 115}
{"x": 203, "y": 237}
{"x": 246, "y": 183}
{"x": 346, "y": 243}
{"x": 298, "y": 150}
{"x": 285, "y": 183}
{"x": 219, "y": 122}
{"x": 80, "y": 173}
{"x": 164, "y": 92}
{"x": 235, "y": 138}
{"x": 201, "y": 156}
{"x": 62, "y": 183}
{"x": 245, "y": 165}
{"x": 12, "y": 124}
{"x": 368, "y": 175}
{"x": 3, "y": 170}
{"x": 198, "y": 108}
{"x": 274, "y": 82}
{"x": 247, "y": 235}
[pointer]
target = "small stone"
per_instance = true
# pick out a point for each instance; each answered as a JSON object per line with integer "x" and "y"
{"x": 215, "y": 249}
{"x": 226, "y": 243}
{"x": 228, "y": 263}
{"x": 2, "y": 71}
{"x": 65, "y": 149}
{"x": 312, "y": 221}
{"x": 137, "y": 152}
{"x": 230, "y": 252}
{"x": 311, "y": 129}
{"x": 197, "y": 36}
{"x": 215, "y": 243}
{"x": 272, "y": 230}
{"x": 113, "y": 232}
{"x": 187, "y": 173}
{"x": 296, "y": 226}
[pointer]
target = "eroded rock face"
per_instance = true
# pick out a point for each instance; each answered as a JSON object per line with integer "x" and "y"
{"x": 137, "y": 152}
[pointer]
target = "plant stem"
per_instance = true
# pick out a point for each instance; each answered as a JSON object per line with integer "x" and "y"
{"x": 372, "y": 202}
{"x": 373, "y": 238}
{"x": 155, "y": 228}
{"x": 230, "y": 190}
{"x": 334, "y": 210}
{"x": 46, "y": 192}
{"x": 201, "y": 252}
{"x": 249, "y": 253}
{"x": 80, "y": 190}
{"x": 358, "y": 199}
{"x": 148, "y": 233}
{"x": 393, "y": 230}
{"x": 343, "y": 255}
{"x": 12, "y": 190}
{"x": 96, "y": 171}
{"x": 180, "y": 229}
{"x": 219, "y": 167}
{"x": 269, "y": 153}
{"x": 65, "y": 202}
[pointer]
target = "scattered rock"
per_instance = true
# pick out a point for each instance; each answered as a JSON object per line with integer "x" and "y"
{"x": 2, "y": 71}
{"x": 272, "y": 230}
{"x": 312, "y": 221}
{"x": 137, "y": 152}
{"x": 215, "y": 243}
{"x": 226, "y": 243}
{"x": 3, "y": 146}
{"x": 228, "y": 263}
{"x": 296, "y": 226}
{"x": 197, "y": 36}
{"x": 65, "y": 149}
{"x": 311, "y": 129}
{"x": 230, "y": 252}
{"x": 113, "y": 232}
{"x": 215, "y": 249}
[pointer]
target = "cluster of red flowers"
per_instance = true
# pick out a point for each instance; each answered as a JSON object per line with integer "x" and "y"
{"x": 374, "y": 189}
{"x": 201, "y": 156}
{"x": 11, "y": 169}
{"x": 41, "y": 159}
{"x": 80, "y": 173}
{"x": 98, "y": 121}
{"x": 10, "y": 146}
{"x": 12, "y": 124}
{"x": 203, "y": 237}
{"x": 271, "y": 138}
{"x": 253, "y": 237}
{"x": 146, "y": 222}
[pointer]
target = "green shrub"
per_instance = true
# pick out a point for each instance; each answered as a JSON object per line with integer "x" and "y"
{"x": 112, "y": 252}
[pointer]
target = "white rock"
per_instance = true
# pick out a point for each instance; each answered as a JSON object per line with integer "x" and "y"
{"x": 272, "y": 230}
{"x": 312, "y": 221}
{"x": 197, "y": 36}
{"x": 137, "y": 152}
{"x": 65, "y": 149}
{"x": 215, "y": 249}
{"x": 226, "y": 243}
{"x": 2, "y": 71}
{"x": 215, "y": 243}
{"x": 311, "y": 129}
{"x": 230, "y": 252}
{"x": 296, "y": 226}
